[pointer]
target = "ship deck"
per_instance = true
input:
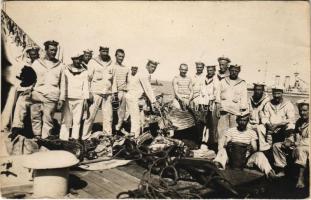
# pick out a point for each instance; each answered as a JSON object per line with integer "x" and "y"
{"x": 108, "y": 183}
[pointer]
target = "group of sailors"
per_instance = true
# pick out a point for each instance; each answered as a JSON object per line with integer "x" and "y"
{"x": 89, "y": 83}
{"x": 267, "y": 125}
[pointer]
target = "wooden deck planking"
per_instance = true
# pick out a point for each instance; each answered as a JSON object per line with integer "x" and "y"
{"x": 97, "y": 190}
{"x": 105, "y": 184}
{"x": 121, "y": 179}
{"x": 82, "y": 194}
{"x": 109, "y": 185}
{"x": 133, "y": 169}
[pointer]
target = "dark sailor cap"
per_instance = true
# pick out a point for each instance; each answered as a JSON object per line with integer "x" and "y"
{"x": 50, "y": 42}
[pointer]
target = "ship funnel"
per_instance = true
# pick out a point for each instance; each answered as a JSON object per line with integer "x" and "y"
{"x": 287, "y": 83}
{"x": 277, "y": 80}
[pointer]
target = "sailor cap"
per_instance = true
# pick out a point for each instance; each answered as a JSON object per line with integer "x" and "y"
{"x": 211, "y": 66}
{"x": 235, "y": 66}
{"x": 76, "y": 56}
{"x": 32, "y": 48}
{"x": 153, "y": 62}
{"x": 224, "y": 58}
{"x": 88, "y": 51}
{"x": 278, "y": 87}
{"x": 50, "y": 42}
{"x": 102, "y": 48}
{"x": 263, "y": 84}
{"x": 243, "y": 114}
{"x": 200, "y": 63}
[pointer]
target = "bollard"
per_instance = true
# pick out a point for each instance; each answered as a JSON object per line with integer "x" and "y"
{"x": 51, "y": 172}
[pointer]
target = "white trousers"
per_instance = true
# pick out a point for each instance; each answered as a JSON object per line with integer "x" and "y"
{"x": 257, "y": 159}
{"x": 105, "y": 104}
{"x": 71, "y": 118}
{"x": 260, "y": 129}
{"x": 226, "y": 121}
{"x": 122, "y": 109}
{"x": 136, "y": 115}
{"x": 300, "y": 155}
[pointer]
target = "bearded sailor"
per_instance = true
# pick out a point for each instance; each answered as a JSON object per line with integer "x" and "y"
{"x": 257, "y": 102}
{"x": 233, "y": 100}
{"x": 241, "y": 142}
{"x": 299, "y": 143}
{"x": 100, "y": 75}
{"x": 278, "y": 116}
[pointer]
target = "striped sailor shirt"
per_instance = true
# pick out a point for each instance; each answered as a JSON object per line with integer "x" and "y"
{"x": 120, "y": 74}
{"x": 245, "y": 137}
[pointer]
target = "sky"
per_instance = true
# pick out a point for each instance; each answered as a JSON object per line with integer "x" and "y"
{"x": 263, "y": 37}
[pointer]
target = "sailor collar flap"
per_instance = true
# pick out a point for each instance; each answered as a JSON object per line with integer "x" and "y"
{"x": 101, "y": 62}
{"x": 209, "y": 80}
{"x": 226, "y": 74}
{"x": 73, "y": 70}
{"x": 196, "y": 76}
{"x": 279, "y": 106}
{"x": 303, "y": 126}
{"x": 256, "y": 104}
{"x": 235, "y": 82}
{"x": 57, "y": 63}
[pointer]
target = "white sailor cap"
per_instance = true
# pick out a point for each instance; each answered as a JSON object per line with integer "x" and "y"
{"x": 263, "y": 84}
{"x": 211, "y": 66}
{"x": 88, "y": 51}
{"x": 243, "y": 114}
{"x": 278, "y": 87}
{"x": 76, "y": 56}
{"x": 152, "y": 62}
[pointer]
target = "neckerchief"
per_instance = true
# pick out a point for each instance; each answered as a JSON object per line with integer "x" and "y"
{"x": 234, "y": 82}
{"x": 101, "y": 62}
{"x": 257, "y": 104}
{"x": 209, "y": 80}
